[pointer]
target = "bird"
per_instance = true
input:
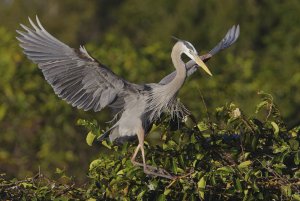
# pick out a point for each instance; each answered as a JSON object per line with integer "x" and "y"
{"x": 87, "y": 84}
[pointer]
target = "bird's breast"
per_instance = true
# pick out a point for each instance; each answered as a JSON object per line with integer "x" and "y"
{"x": 130, "y": 121}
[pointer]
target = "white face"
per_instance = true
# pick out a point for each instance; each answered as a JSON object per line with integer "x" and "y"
{"x": 191, "y": 52}
{"x": 190, "y": 47}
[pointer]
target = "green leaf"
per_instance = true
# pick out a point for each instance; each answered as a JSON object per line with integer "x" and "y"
{"x": 121, "y": 172}
{"x": 248, "y": 175}
{"x": 26, "y": 185}
{"x": 297, "y": 158}
{"x": 91, "y": 199}
{"x": 275, "y": 128}
{"x": 225, "y": 169}
{"x": 167, "y": 191}
{"x": 201, "y": 186}
{"x": 154, "y": 127}
{"x": 254, "y": 143}
{"x": 238, "y": 185}
{"x": 247, "y": 154}
{"x": 189, "y": 122}
{"x": 255, "y": 187}
{"x": 81, "y": 122}
{"x": 161, "y": 197}
{"x": 181, "y": 161}
{"x": 279, "y": 165}
{"x": 260, "y": 196}
{"x": 170, "y": 145}
{"x": 199, "y": 156}
{"x": 63, "y": 198}
{"x": 105, "y": 144}
{"x": 202, "y": 126}
{"x": 59, "y": 171}
{"x": 294, "y": 144}
{"x": 296, "y": 197}
{"x": 213, "y": 180}
{"x": 258, "y": 174}
{"x": 280, "y": 149}
{"x": 140, "y": 195}
{"x": 90, "y": 138}
{"x": 297, "y": 174}
{"x": 286, "y": 190}
{"x": 193, "y": 139}
{"x": 244, "y": 164}
{"x": 174, "y": 165}
{"x": 192, "y": 198}
{"x": 260, "y": 105}
{"x": 95, "y": 163}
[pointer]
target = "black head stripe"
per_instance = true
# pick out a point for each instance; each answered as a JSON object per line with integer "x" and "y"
{"x": 189, "y": 46}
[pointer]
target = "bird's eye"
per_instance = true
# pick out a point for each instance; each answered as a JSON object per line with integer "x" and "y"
{"x": 192, "y": 52}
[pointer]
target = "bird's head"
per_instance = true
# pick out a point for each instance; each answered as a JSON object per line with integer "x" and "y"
{"x": 188, "y": 49}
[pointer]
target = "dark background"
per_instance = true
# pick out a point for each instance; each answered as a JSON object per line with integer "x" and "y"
{"x": 133, "y": 38}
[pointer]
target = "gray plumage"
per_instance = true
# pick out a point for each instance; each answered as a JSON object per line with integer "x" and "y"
{"x": 73, "y": 74}
{"x": 85, "y": 83}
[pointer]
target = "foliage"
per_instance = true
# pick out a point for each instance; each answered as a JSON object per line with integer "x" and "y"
{"x": 133, "y": 38}
{"x": 227, "y": 156}
{"x": 39, "y": 187}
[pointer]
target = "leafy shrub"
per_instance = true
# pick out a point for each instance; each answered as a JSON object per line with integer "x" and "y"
{"x": 228, "y": 156}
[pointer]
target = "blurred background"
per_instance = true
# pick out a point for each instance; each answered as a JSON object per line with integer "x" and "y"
{"x": 133, "y": 37}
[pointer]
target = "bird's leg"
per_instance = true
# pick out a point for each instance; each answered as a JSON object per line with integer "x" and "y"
{"x": 155, "y": 171}
{"x": 134, "y": 155}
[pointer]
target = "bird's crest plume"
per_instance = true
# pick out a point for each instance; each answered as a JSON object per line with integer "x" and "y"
{"x": 175, "y": 38}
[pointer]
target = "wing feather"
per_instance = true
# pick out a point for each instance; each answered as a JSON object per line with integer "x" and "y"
{"x": 74, "y": 75}
{"x": 230, "y": 38}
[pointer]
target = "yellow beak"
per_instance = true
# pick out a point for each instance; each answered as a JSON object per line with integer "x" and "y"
{"x": 200, "y": 63}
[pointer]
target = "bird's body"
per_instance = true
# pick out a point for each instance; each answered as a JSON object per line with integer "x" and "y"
{"x": 129, "y": 124}
{"x": 150, "y": 102}
{"x": 85, "y": 83}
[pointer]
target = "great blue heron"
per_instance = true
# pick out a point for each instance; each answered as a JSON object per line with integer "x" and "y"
{"x": 85, "y": 83}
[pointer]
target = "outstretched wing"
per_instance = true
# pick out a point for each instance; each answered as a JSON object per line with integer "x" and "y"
{"x": 74, "y": 75}
{"x": 191, "y": 66}
{"x": 230, "y": 37}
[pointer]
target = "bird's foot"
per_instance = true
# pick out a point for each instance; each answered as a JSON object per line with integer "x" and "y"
{"x": 155, "y": 171}
{"x": 160, "y": 172}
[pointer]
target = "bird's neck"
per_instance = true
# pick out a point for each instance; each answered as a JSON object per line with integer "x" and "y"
{"x": 163, "y": 96}
{"x": 179, "y": 65}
